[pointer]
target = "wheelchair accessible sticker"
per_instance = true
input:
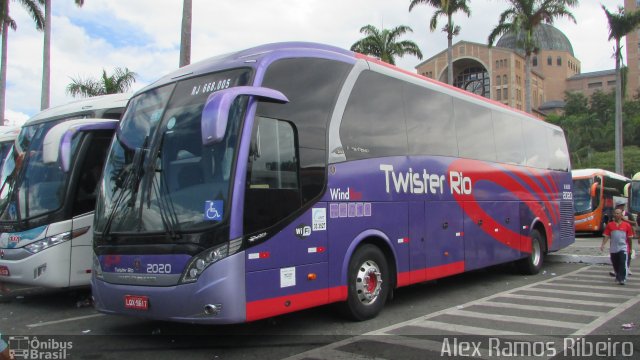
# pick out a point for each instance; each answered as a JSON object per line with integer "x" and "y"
{"x": 213, "y": 210}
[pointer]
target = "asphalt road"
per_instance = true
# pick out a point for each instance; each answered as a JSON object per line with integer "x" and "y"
{"x": 422, "y": 322}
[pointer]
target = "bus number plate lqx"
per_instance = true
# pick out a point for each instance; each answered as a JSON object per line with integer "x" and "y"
{"x": 136, "y": 302}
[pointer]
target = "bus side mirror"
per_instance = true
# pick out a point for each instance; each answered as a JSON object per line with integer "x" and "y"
{"x": 215, "y": 113}
{"x": 57, "y": 143}
{"x": 594, "y": 190}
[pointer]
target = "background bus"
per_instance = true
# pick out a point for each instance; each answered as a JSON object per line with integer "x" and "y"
{"x": 7, "y": 137}
{"x": 593, "y": 197}
{"x": 294, "y": 175}
{"x": 48, "y": 193}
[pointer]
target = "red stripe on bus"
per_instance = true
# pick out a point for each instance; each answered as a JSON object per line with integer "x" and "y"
{"x": 432, "y": 273}
{"x": 266, "y": 308}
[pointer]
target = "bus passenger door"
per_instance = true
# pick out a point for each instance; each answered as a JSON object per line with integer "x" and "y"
{"x": 445, "y": 239}
{"x": 87, "y": 173}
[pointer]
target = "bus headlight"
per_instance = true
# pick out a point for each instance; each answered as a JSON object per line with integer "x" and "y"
{"x": 48, "y": 242}
{"x": 202, "y": 261}
{"x": 97, "y": 268}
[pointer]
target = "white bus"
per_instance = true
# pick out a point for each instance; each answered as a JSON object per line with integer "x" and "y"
{"x": 48, "y": 192}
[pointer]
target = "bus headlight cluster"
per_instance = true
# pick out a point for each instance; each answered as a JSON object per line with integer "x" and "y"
{"x": 48, "y": 242}
{"x": 97, "y": 268}
{"x": 202, "y": 261}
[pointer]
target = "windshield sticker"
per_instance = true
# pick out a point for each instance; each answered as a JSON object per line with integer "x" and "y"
{"x": 13, "y": 213}
{"x": 213, "y": 210}
{"x": 18, "y": 239}
{"x": 319, "y": 216}
{"x": 303, "y": 231}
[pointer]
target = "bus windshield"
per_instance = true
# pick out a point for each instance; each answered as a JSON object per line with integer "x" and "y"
{"x": 31, "y": 188}
{"x": 582, "y": 202}
{"x": 159, "y": 177}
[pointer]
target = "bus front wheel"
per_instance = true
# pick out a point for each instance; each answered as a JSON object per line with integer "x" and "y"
{"x": 532, "y": 264}
{"x": 367, "y": 283}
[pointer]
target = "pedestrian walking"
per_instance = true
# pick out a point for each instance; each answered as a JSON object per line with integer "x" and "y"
{"x": 617, "y": 231}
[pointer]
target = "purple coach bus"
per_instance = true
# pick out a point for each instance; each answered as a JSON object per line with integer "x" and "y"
{"x": 294, "y": 175}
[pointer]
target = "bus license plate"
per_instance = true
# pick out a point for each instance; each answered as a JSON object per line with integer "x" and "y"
{"x": 4, "y": 271}
{"x": 136, "y": 302}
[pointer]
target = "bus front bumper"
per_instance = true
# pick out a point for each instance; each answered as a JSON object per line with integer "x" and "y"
{"x": 218, "y": 297}
{"x": 49, "y": 268}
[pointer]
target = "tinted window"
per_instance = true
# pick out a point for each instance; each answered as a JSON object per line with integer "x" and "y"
{"x": 558, "y": 153}
{"x": 474, "y": 129}
{"x": 373, "y": 122}
{"x": 507, "y": 130}
{"x": 90, "y": 172}
{"x": 535, "y": 143}
{"x": 273, "y": 190}
{"x": 312, "y": 87}
{"x": 430, "y": 127}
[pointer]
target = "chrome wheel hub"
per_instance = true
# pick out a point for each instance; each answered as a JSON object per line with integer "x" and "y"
{"x": 368, "y": 282}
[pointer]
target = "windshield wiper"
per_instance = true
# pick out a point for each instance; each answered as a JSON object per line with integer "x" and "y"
{"x": 168, "y": 213}
{"x": 132, "y": 175}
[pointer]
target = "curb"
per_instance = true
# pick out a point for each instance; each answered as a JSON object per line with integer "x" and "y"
{"x": 579, "y": 259}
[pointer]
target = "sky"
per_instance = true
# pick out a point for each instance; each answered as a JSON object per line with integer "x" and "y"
{"x": 144, "y": 36}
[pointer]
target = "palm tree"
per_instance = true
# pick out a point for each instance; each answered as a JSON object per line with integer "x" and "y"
{"x": 185, "y": 34}
{"x": 46, "y": 55}
{"x": 119, "y": 82}
{"x": 522, "y": 18}
{"x": 33, "y": 8}
{"x": 620, "y": 25}
{"x": 383, "y": 43}
{"x": 446, "y": 8}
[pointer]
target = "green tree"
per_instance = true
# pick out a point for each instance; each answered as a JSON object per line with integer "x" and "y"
{"x": 384, "y": 43}
{"x": 46, "y": 55}
{"x": 34, "y": 9}
{"x": 620, "y": 24}
{"x": 522, "y": 18}
{"x": 185, "y": 33}
{"x": 445, "y": 8}
{"x": 119, "y": 82}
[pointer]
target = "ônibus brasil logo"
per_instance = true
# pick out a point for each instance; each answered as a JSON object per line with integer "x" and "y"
{"x": 33, "y": 348}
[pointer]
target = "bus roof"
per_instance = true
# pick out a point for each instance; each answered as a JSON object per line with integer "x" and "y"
{"x": 582, "y": 173}
{"x": 80, "y": 106}
{"x": 253, "y": 57}
{"x": 8, "y": 133}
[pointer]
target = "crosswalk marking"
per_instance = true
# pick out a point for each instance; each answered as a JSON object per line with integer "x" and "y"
{"x": 581, "y": 288}
{"x": 543, "y": 309}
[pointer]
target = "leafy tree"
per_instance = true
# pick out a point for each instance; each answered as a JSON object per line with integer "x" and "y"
{"x": 522, "y": 18}
{"x": 46, "y": 55}
{"x": 445, "y": 8}
{"x": 119, "y": 82}
{"x": 33, "y": 7}
{"x": 384, "y": 43}
{"x": 620, "y": 24}
{"x": 185, "y": 34}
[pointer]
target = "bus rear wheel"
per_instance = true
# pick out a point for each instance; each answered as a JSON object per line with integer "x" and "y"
{"x": 532, "y": 264}
{"x": 367, "y": 283}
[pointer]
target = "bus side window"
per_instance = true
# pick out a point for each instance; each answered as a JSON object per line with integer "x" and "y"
{"x": 90, "y": 174}
{"x": 273, "y": 190}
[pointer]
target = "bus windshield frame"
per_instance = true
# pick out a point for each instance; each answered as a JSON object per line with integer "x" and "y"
{"x": 155, "y": 181}
{"x": 32, "y": 188}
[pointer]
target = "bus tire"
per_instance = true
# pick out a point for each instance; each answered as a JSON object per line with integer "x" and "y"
{"x": 532, "y": 264}
{"x": 368, "y": 283}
